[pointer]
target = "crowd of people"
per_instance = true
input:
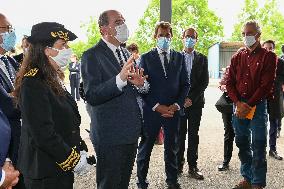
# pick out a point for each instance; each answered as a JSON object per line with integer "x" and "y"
{"x": 129, "y": 98}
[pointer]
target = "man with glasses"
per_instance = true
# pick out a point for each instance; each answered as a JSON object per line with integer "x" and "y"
{"x": 8, "y": 68}
{"x": 197, "y": 67}
{"x": 250, "y": 80}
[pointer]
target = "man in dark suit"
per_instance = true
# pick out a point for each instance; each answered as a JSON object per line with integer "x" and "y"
{"x": 275, "y": 105}
{"x": 74, "y": 77}
{"x": 8, "y": 175}
{"x": 169, "y": 85}
{"x": 8, "y": 68}
{"x": 198, "y": 67}
{"x": 110, "y": 85}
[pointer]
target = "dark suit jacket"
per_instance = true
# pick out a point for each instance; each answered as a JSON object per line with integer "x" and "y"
{"x": 116, "y": 118}
{"x": 275, "y": 105}
{"x": 165, "y": 91}
{"x": 199, "y": 80}
{"x": 9, "y": 109}
{"x": 5, "y": 134}
{"x": 49, "y": 131}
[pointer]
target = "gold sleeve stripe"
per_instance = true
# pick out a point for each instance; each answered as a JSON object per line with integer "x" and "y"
{"x": 71, "y": 161}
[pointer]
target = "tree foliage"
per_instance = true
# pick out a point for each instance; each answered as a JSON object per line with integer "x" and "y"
{"x": 185, "y": 13}
{"x": 269, "y": 17}
{"x": 93, "y": 36}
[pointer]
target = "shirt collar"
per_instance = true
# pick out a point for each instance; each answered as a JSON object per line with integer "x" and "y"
{"x": 191, "y": 53}
{"x": 256, "y": 50}
{"x": 160, "y": 51}
{"x": 111, "y": 46}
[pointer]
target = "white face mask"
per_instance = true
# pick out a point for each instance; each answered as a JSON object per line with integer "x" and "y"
{"x": 122, "y": 33}
{"x": 249, "y": 40}
{"x": 63, "y": 57}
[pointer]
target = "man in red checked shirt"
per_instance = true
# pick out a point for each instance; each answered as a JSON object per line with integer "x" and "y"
{"x": 250, "y": 81}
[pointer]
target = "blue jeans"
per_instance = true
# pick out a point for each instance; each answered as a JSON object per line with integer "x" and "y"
{"x": 251, "y": 139}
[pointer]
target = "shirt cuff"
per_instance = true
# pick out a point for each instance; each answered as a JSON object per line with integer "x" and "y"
{"x": 154, "y": 108}
{"x": 177, "y": 105}
{"x": 119, "y": 83}
{"x": 2, "y": 178}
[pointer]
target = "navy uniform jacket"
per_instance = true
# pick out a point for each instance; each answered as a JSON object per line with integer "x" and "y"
{"x": 116, "y": 118}
{"x": 5, "y": 134}
{"x": 50, "y": 130}
{"x": 76, "y": 69}
{"x": 165, "y": 91}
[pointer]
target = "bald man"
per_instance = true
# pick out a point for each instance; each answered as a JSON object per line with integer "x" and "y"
{"x": 112, "y": 95}
{"x": 8, "y": 68}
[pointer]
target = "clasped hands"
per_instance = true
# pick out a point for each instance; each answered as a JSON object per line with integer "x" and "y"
{"x": 11, "y": 176}
{"x": 167, "y": 111}
{"x": 134, "y": 75}
{"x": 242, "y": 109}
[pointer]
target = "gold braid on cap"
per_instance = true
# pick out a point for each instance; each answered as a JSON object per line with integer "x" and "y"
{"x": 71, "y": 161}
{"x": 31, "y": 73}
{"x": 60, "y": 34}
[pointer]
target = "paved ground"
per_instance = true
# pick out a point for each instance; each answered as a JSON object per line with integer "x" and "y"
{"x": 210, "y": 155}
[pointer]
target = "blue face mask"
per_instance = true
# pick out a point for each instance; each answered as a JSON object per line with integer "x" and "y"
{"x": 190, "y": 42}
{"x": 164, "y": 43}
{"x": 9, "y": 40}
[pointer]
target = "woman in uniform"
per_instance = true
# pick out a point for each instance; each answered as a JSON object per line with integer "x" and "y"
{"x": 49, "y": 152}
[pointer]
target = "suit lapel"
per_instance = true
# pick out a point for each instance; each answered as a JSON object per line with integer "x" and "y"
{"x": 172, "y": 61}
{"x": 195, "y": 65}
{"x": 109, "y": 53}
{"x": 157, "y": 60}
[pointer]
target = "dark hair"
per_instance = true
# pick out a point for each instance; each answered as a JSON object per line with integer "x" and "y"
{"x": 269, "y": 41}
{"x": 36, "y": 58}
{"x": 132, "y": 47}
{"x": 282, "y": 48}
{"x": 196, "y": 34}
{"x": 103, "y": 19}
{"x": 163, "y": 25}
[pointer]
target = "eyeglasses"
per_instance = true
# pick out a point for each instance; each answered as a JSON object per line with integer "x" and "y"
{"x": 9, "y": 28}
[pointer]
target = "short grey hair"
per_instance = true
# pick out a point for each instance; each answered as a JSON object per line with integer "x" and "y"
{"x": 254, "y": 24}
{"x": 103, "y": 19}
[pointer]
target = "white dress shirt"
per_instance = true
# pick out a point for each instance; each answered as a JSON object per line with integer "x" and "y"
{"x": 119, "y": 83}
{"x": 189, "y": 57}
{"x": 161, "y": 55}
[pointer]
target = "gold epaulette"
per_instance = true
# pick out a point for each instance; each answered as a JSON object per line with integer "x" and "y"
{"x": 31, "y": 73}
{"x": 71, "y": 161}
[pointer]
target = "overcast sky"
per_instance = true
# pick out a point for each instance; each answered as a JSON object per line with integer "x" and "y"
{"x": 24, "y": 13}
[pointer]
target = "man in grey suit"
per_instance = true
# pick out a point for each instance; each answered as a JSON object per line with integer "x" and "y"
{"x": 111, "y": 83}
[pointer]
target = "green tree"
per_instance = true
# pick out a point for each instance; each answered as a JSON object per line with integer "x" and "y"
{"x": 186, "y": 13}
{"x": 93, "y": 36}
{"x": 269, "y": 17}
